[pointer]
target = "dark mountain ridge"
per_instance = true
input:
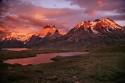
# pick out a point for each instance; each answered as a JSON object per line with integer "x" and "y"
{"x": 87, "y": 33}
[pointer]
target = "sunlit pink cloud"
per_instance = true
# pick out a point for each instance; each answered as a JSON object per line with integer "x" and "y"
{"x": 100, "y": 2}
{"x": 24, "y": 15}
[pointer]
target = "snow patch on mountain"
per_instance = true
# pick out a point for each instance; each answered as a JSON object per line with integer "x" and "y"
{"x": 105, "y": 24}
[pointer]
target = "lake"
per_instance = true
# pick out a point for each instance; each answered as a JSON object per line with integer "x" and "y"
{"x": 41, "y": 58}
{"x": 15, "y": 49}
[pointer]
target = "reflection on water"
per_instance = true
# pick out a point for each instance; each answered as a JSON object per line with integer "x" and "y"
{"x": 15, "y": 49}
{"x": 41, "y": 58}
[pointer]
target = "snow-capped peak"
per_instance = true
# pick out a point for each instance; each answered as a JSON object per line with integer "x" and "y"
{"x": 112, "y": 24}
{"x": 97, "y": 24}
{"x": 47, "y": 29}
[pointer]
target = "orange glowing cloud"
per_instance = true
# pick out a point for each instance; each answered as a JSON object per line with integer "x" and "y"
{"x": 20, "y": 36}
{"x": 100, "y": 3}
{"x": 26, "y": 18}
{"x": 3, "y": 32}
{"x": 91, "y": 12}
{"x": 39, "y": 17}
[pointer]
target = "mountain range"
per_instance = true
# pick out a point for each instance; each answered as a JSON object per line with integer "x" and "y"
{"x": 87, "y": 33}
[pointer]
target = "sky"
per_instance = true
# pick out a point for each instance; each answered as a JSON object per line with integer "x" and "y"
{"x": 29, "y": 16}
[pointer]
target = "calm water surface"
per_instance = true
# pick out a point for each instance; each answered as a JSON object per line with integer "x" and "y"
{"x": 15, "y": 49}
{"x": 41, "y": 58}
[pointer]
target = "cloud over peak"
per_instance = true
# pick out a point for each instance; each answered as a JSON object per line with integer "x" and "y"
{"x": 32, "y": 15}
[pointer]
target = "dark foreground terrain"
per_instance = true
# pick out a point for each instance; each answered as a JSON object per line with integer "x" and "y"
{"x": 101, "y": 65}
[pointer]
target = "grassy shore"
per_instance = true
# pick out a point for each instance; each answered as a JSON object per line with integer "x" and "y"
{"x": 6, "y": 54}
{"x": 102, "y": 65}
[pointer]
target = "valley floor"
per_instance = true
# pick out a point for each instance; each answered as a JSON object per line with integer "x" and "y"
{"x": 102, "y": 65}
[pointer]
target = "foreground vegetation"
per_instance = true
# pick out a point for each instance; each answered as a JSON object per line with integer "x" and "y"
{"x": 102, "y": 65}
